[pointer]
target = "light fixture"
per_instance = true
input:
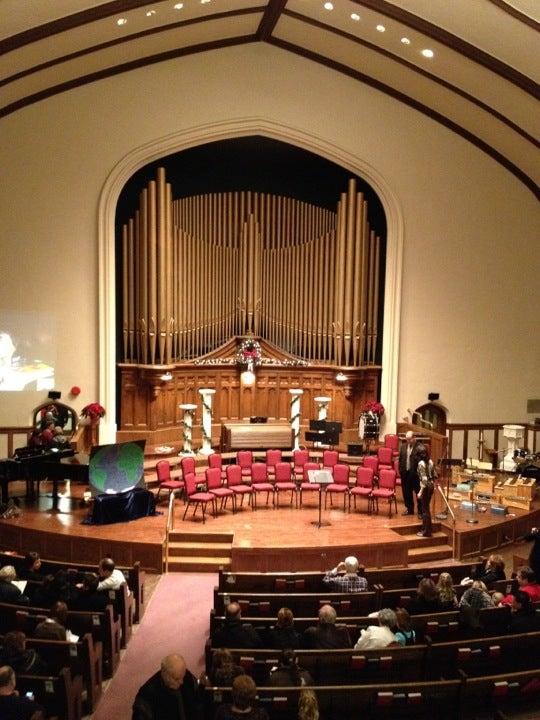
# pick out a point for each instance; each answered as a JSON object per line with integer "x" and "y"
{"x": 150, "y": 13}
{"x": 248, "y": 378}
{"x": 328, "y": 6}
{"x": 121, "y": 21}
{"x": 426, "y": 52}
{"x": 380, "y": 28}
{"x": 341, "y": 377}
{"x": 166, "y": 377}
{"x": 355, "y": 17}
{"x": 203, "y": 2}
{"x": 405, "y": 41}
{"x": 179, "y": 6}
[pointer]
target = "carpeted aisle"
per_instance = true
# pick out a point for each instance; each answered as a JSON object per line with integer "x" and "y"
{"x": 176, "y": 620}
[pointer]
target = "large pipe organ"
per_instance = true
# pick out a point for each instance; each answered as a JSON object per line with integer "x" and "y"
{"x": 200, "y": 272}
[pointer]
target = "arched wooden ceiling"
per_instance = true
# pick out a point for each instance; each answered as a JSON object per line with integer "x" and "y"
{"x": 482, "y": 81}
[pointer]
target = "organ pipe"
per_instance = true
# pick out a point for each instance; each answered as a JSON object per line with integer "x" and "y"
{"x": 197, "y": 271}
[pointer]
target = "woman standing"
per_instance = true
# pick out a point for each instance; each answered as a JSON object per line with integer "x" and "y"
{"x": 426, "y": 475}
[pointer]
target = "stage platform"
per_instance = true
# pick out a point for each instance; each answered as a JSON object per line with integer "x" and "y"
{"x": 285, "y": 539}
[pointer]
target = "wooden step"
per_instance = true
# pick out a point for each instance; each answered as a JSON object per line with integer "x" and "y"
{"x": 198, "y": 564}
{"x": 208, "y": 537}
{"x": 413, "y": 527}
{"x": 438, "y": 538}
{"x": 424, "y": 554}
{"x": 198, "y": 549}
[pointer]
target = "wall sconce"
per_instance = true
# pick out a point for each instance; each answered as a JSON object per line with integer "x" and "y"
{"x": 166, "y": 377}
{"x": 341, "y": 377}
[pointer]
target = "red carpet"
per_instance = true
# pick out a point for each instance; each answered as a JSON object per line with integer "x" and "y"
{"x": 176, "y": 620}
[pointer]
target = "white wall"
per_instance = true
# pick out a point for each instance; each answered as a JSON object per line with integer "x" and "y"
{"x": 471, "y": 260}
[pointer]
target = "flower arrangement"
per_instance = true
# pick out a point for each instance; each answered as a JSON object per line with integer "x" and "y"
{"x": 94, "y": 411}
{"x": 249, "y": 353}
{"x": 372, "y": 406}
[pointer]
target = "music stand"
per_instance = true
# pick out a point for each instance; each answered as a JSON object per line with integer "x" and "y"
{"x": 320, "y": 478}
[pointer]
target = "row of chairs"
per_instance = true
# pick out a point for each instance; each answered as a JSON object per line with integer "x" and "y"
{"x": 236, "y": 486}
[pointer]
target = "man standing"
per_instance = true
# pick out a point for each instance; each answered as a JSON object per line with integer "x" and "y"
{"x": 350, "y": 581}
{"x": 170, "y": 694}
{"x": 408, "y": 472}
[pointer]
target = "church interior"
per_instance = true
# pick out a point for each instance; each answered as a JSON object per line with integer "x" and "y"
{"x": 278, "y": 282}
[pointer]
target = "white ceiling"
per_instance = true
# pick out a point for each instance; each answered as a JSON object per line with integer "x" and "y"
{"x": 482, "y": 81}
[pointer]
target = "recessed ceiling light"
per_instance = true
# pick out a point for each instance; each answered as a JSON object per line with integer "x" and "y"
{"x": 150, "y": 13}
{"x": 355, "y": 17}
{"x": 179, "y": 6}
{"x": 203, "y": 2}
{"x": 405, "y": 41}
{"x": 328, "y": 6}
{"x": 380, "y": 28}
{"x": 121, "y": 21}
{"x": 428, "y": 53}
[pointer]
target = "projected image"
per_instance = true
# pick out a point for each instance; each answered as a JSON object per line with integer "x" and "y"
{"x": 116, "y": 468}
{"x": 27, "y": 351}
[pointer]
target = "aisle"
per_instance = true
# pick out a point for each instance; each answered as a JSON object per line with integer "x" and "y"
{"x": 176, "y": 620}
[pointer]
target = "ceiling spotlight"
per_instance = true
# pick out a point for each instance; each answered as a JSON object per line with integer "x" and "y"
{"x": 341, "y": 377}
{"x": 428, "y": 53}
{"x": 203, "y": 2}
{"x": 405, "y": 41}
{"x": 328, "y": 6}
{"x": 150, "y": 13}
{"x": 179, "y": 6}
{"x": 355, "y": 17}
{"x": 121, "y": 21}
{"x": 380, "y": 28}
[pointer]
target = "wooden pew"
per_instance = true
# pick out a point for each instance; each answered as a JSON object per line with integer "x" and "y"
{"x": 300, "y": 603}
{"x": 389, "y": 701}
{"x": 338, "y": 667}
{"x": 60, "y": 695}
{"x": 312, "y": 581}
{"x": 135, "y": 576}
{"x": 102, "y": 626}
{"x": 512, "y": 692}
{"x": 83, "y": 658}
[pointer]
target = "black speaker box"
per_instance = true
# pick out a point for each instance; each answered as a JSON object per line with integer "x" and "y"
{"x": 54, "y": 395}
{"x": 433, "y": 396}
{"x": 355, "y": 449}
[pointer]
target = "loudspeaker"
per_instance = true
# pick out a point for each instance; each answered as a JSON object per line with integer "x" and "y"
{"x": 433, "y": 396}
{"x": 355, "y": 449}
{"x": 54, "y": 395}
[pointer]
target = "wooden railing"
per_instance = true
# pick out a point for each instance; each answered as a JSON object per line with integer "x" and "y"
{"x": 485, "y": 441}
{"x": 12, "y": 438}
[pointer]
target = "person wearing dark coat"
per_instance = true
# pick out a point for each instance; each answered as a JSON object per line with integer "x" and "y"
{"x": 283, "y": 635}
{"x": 31, "y": 567}
{"x": 10, "y": 593}
{"x": 289, "y": 673}
{"x": 534, "y": 555}
{"x": 170, "y": 694}
{"x": 89, "y": 598}
{"x": 407, "y": 463}
{"x": 491, "y": 572}
{"x": 327, "y": 635}
{"x": 23, "y": 660}
{"x": 523, "y": 618}
{"x": 13, "y": 706}
{"x": 234, "y": 633}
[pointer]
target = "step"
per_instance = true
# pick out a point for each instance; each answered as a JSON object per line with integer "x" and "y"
{"x": 208, "y": 537}
{"x": 413, "y": 527}
{"x": 198, "y": 549}
{"x": 424, "y": 554}
{"x": 199, "y": 564}
{"x": 438, "y": 538}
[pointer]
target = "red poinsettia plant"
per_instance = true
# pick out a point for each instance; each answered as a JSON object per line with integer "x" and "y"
{"x": 372, "y": 406}
{"x": 93, "y": 411}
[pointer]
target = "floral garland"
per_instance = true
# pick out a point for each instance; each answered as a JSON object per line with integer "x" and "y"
{"x": 249, "y": 353}
{"x": 94, "y": 411}
{"x": 372, "y": 406}
{"x": 208, "y": 409}
{"x": 187, "y": 436}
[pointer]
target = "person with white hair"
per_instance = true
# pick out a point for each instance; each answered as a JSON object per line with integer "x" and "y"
{"x": 349, "y": 580}
{"x": 379, "y": 636}
{"x": 9, "y": 592}
{"x": 407, "y": 464}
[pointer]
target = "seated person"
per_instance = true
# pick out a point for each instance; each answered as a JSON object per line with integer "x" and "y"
{"x": 244, "y": 696}
{"x": 523, "y": 617}
{"x": 405, "y": 635}
{"x": 327, "y": 635}
{"x": 447, "y": 595}
{"x": 526, "y": 581}
{"x": 89, "y": 598}
{"x": 170, "y": 694}
{"x": 492, "y": 571}
{"x": 288, "y": 672}
{"x": 110, "y": 577}
{"x": 54, "y": 627}
{"x": 31, "y": 567}
{"x": 223, "y": 670}
{"x": 23, "y": 660}
{"x": 12, "y": 705}
{"x": 350, "y": 581}
{"x": 427, "y": 598}
{"x": 10, "y": 593}
{"x": 476, "y": 597}
{"x": 234, "y": 633}
{"x": 379, "y": 636}
{"x": 283, "y": 635}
